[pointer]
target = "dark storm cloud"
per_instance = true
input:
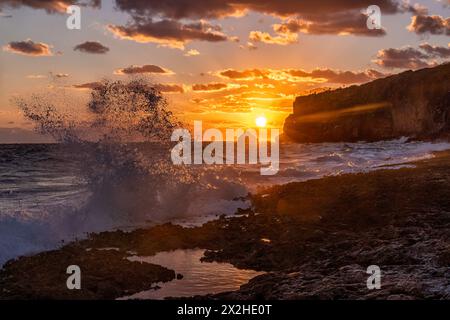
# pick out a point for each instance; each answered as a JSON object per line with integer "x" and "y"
{"x": 91, "y": 47}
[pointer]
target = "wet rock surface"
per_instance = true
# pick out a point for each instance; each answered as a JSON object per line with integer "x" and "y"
{"x": 105, "y": 274}
{"x": 314, "y": 239}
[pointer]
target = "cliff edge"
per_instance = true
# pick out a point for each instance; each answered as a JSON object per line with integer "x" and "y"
{"x": 413, "y": 103}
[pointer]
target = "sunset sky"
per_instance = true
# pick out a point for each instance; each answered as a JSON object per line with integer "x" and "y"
{"x": 223, "y": 62}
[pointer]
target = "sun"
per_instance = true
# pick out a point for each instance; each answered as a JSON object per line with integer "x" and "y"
{"x": 261, "y": 122}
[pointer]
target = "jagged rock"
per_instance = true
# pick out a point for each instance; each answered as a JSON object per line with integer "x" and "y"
{"x": 413, "y": 104}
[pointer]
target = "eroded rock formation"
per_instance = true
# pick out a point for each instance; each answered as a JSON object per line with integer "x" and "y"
{"x": 413, "y": 103}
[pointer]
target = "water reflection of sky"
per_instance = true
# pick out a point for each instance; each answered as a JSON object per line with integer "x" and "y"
{"x": 199, "y": 278}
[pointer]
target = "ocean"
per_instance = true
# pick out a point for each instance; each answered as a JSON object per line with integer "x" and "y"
{"x": 47, "y": 196}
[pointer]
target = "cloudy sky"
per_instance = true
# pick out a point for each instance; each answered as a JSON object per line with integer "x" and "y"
{"x": 223, "y": 62}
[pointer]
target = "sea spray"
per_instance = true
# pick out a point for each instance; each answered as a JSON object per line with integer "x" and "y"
{"x": 121, "y": 121}
{"x": 120, "y": 144}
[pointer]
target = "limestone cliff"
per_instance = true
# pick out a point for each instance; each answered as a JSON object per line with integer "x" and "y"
{"x": 413, "y": 103}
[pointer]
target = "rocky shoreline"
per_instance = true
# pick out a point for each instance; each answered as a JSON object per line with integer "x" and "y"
{"x": 314, "y": 239}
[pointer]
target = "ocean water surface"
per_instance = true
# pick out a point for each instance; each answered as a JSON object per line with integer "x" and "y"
{"x": 44, "y": 199}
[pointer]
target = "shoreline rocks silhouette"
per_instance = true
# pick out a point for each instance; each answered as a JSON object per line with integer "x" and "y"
{"x": 414, "y": 104}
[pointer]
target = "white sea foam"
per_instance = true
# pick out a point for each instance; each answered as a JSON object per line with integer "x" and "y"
{"x": 301, "y": 162}
{"x": 33, "y": 228}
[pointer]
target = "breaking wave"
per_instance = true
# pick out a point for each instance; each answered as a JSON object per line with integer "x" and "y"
{"x": 118, "y": 146}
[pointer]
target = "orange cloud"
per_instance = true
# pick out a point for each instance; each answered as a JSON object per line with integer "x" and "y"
{"x": 29, "y": 48}
{"x": 198, "y": 9}
{"x": 36, "y": 76}
{"x": 299, "y": 75}
{"x": 59, "y": 75}
{"x": 148, "y": 68}
{"x": 248, "y": 74}
{"x": 426, "y": 55}
{"x": 169, "y": 88}
{"x": 214, "y": 86}
{"x": 88, "y": 85}
{"x": 335, "y": 76}
{"x": 168, "y": 33}
{"x": 423, "y": 24}
{"x": 51, "y": 6}
{"x": 285, "y": 39}
{"x": 192, "y": 53}
{"x": 93, "y": 47}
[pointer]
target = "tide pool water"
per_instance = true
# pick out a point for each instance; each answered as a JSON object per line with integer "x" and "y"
{"x": 199, "y": 278}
